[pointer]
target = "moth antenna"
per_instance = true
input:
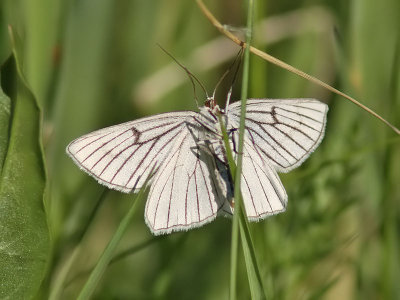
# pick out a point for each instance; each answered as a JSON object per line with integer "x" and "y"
{"x": 228, "y": 96}
{"x": 191, "y": 76}
{"x": 237, "y": 58}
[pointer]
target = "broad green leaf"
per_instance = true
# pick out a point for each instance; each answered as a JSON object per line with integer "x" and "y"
{"x": 24, "y": 237}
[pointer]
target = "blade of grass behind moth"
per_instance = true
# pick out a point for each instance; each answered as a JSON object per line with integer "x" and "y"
{"x": 59, "y": 280}
{"x": 117, "y": 258}
{"x": 105, "y": 258}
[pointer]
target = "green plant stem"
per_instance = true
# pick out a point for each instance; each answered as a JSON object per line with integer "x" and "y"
{"x": 238, "y": 171}
{"x": 235, "y": 227}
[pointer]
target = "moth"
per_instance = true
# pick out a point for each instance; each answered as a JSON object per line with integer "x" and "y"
{"x": 192, "y": 183}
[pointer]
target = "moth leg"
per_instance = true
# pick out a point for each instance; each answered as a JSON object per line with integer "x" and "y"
{"x": 231, "y": 132}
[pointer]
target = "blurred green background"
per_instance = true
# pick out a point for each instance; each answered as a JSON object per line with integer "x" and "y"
{"x": 94, "y": 63}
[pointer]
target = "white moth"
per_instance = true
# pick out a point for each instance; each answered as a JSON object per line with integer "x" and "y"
{"x": 192, "y": 183}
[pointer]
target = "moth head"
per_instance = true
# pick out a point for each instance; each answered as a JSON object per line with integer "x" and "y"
{"x": 210, "y": 103}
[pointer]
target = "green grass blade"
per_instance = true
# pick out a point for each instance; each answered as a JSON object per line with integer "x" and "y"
{"x": 244, "y": 93}
{"x": 253, "y": 272}
{"x": 255, "y": 280}
{"x": 240, "y": 216}
{"x": 59, "y": 280}
{"x": 235, "y": 221}
{"x": 24, "y": 238}
{"x": 123, "y": 255}
{"x": 239, "y": 219}
{"x": 107, "y": 255}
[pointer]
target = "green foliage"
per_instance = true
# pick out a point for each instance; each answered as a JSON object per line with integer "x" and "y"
{"x": 24, "y": 238}
{"x": 106, "y": 257}
{"x": 94, "y": 63}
